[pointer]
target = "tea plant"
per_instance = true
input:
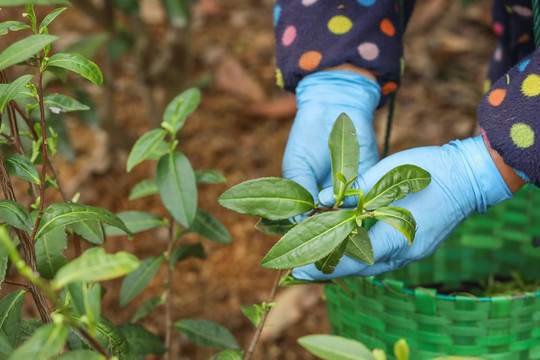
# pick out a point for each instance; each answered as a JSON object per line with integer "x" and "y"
{"x": 76, "y": 325}
{"x": 328, "y": 232}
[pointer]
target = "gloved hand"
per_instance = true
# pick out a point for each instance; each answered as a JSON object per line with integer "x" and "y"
{"x": 321, "y": 98}
{"x": 464, "y": 179}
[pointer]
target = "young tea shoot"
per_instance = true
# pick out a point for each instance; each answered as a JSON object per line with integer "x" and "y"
{"x": 329, "y": 232}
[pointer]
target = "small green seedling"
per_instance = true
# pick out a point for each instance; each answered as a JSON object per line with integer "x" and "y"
{"x": 329, "y": 232}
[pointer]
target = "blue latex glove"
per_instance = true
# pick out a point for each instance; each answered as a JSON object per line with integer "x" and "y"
{"x": 464, "y": 179}
{"x": 321, "y": 98}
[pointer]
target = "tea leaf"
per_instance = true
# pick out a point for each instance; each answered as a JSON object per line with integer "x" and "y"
{"x": 344, "y": 152}
{"x": 64, "y": 213}
{"x": 16, "y": 215}
{"x": 330, "y": 261}
{"x": 209, "y": 177}
{"x": 136, "y": 281}
{"x": 401, "y": 350}
{"x": 136, "y": 221}
{"x": 8, "y": 26}
{"x": 86, "y": 299}
{"x": 359, "y": 246}
{"x": 111, "y": 338}
{"x": 90, "y": 230}
{"x": 395, "y": 184}
{"x": 81, "y": 355}
{"x": 207, "y": 333}
{"x": 311, "y": 240}
{"x": 13, "y": 90}
{"x": 141, "y": 341}
{"x": 49, "y": 19}
{"x": 4, "y": 259}
{"x": 5, "y": 347}
{"x": 180, "y": 107}
{"x": 271, "y": 198}
{"x": 229, "y": 354}
{"x": 24, "y": 49}
{"x": 331, "y": 347}
{"x": 49, "y": 252}
{"x": 145, "y": 146}
{"x": 23, "y": 94}
{"x": 95, "y": 265}
{"x": 147, "y": 307}
{"x": 144, "y": 188}
{"x": 58, "y": 103}
{"x": 78, "y": 64}
{"x": 185, "y": 251}
{"x": 207, "y": 226}
{"x": 46, "y": 342}
{"x": 253, "y": 313}
{"x": 10, "y": 315}
{"x": 399, "y": 218}
{"x": 18, "y": 165}
{"x": 178, "y": 187}
{"x": 274, "y": 227}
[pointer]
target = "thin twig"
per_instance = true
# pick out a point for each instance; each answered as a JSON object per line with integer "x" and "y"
{"x": 168, "y": 291}
{"x": 15, "y": 283}
{"x": 258, "y": 331}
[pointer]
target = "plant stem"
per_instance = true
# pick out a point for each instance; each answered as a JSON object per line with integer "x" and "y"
{"x": 168, "y": 292}
{"x": 264, "y": 315}
{"x": 27, "y": 246}
{"x": 15, "y": 283}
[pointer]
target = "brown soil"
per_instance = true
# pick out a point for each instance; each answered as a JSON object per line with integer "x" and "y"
{"x": 240, "y": 130}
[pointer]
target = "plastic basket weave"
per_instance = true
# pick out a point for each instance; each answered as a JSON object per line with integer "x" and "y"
{"x": 381, "y": 310}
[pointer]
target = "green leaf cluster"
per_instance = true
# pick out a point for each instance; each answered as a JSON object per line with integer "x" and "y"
{"x": 327, "y": 233}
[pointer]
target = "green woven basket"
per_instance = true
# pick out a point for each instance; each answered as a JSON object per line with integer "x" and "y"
{"x": 381, "y": 310}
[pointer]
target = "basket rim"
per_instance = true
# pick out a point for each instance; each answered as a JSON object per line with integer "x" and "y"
{"x": 409, "y": 291}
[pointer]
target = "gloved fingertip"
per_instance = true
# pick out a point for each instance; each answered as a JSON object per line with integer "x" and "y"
{"x": 307, "y": 272}
{"x": 326, "y": 197}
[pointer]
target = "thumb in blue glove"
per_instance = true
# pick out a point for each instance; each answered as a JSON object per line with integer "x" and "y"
{"x": 465, "y": 179}
{"x": 321, "y": 98}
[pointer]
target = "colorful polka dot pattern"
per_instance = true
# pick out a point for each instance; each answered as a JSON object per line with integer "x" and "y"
{"x": 509, "y": 114}
{"x": 312, "y": 35}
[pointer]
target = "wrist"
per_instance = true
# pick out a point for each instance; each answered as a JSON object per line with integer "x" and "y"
{"x": 510, "y": 177}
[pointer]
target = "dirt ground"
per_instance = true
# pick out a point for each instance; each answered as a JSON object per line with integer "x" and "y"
{"x": 240, "y": 130}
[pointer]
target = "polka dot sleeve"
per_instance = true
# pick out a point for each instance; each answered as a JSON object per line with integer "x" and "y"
{"x": 509, "y": 115}
{"x": 312, "y": 35}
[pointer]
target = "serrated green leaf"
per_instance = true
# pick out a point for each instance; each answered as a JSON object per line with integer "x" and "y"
{"x": 311, "y": 240}
{"x": 272, "y": 198}
{"x": 13, "y": 90}
{"x": 274, "y": 227}
{"x": 24, "y": 49}
{"x": 177, "y": 187}
{"x": 95, "y": 265}
{"x": 58, "y": 103}
{"x": 81, "y": 354}
{"x": 136, "y": 281}
{"x": 46, "y": 342}
{"x": 331, "y": 347}
{"x": 253, "y": 313}
{"x": 145, "y": 146}
{"x": 330, "y": 261}
{"x": 27, "y": 328}
{"x": 144, "y": 188}
{"x": 20, "y": 166}
{"x": 180, "y": 107}
{"x": 49, "y": 252}
{"x": 110, "y": 337}
{"x": 86, "y": 299}
{"x": 207, "y": 334}
{"x": 359, "y": 246}
{"x": 49, "y": 19}
{"x": 16, "y": 215}
{"x": 136, "y": 221}
{"x": 33, "y": 2}
{"x": 10, "y": 315}
{"x": 90, "y": 230}
{"x": 141, "y": 341}
{"x": 5, "y": 347}
{"x": 7, "y": 26}
{"x": 210, "y": 228}
{"x": 395, "y": 185}
{"x": 229, "y": 354}
{"x": 209, "y": 177}
{"x": 78, "y": 64}
{"x": 146, "y": 308}
{"x": 185, "y": 251}
{"x": 64, "y": 213}
{"x": 344, "y": 152}
{"x": 24, "y": 94}
{"x": 399, "y": 218}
